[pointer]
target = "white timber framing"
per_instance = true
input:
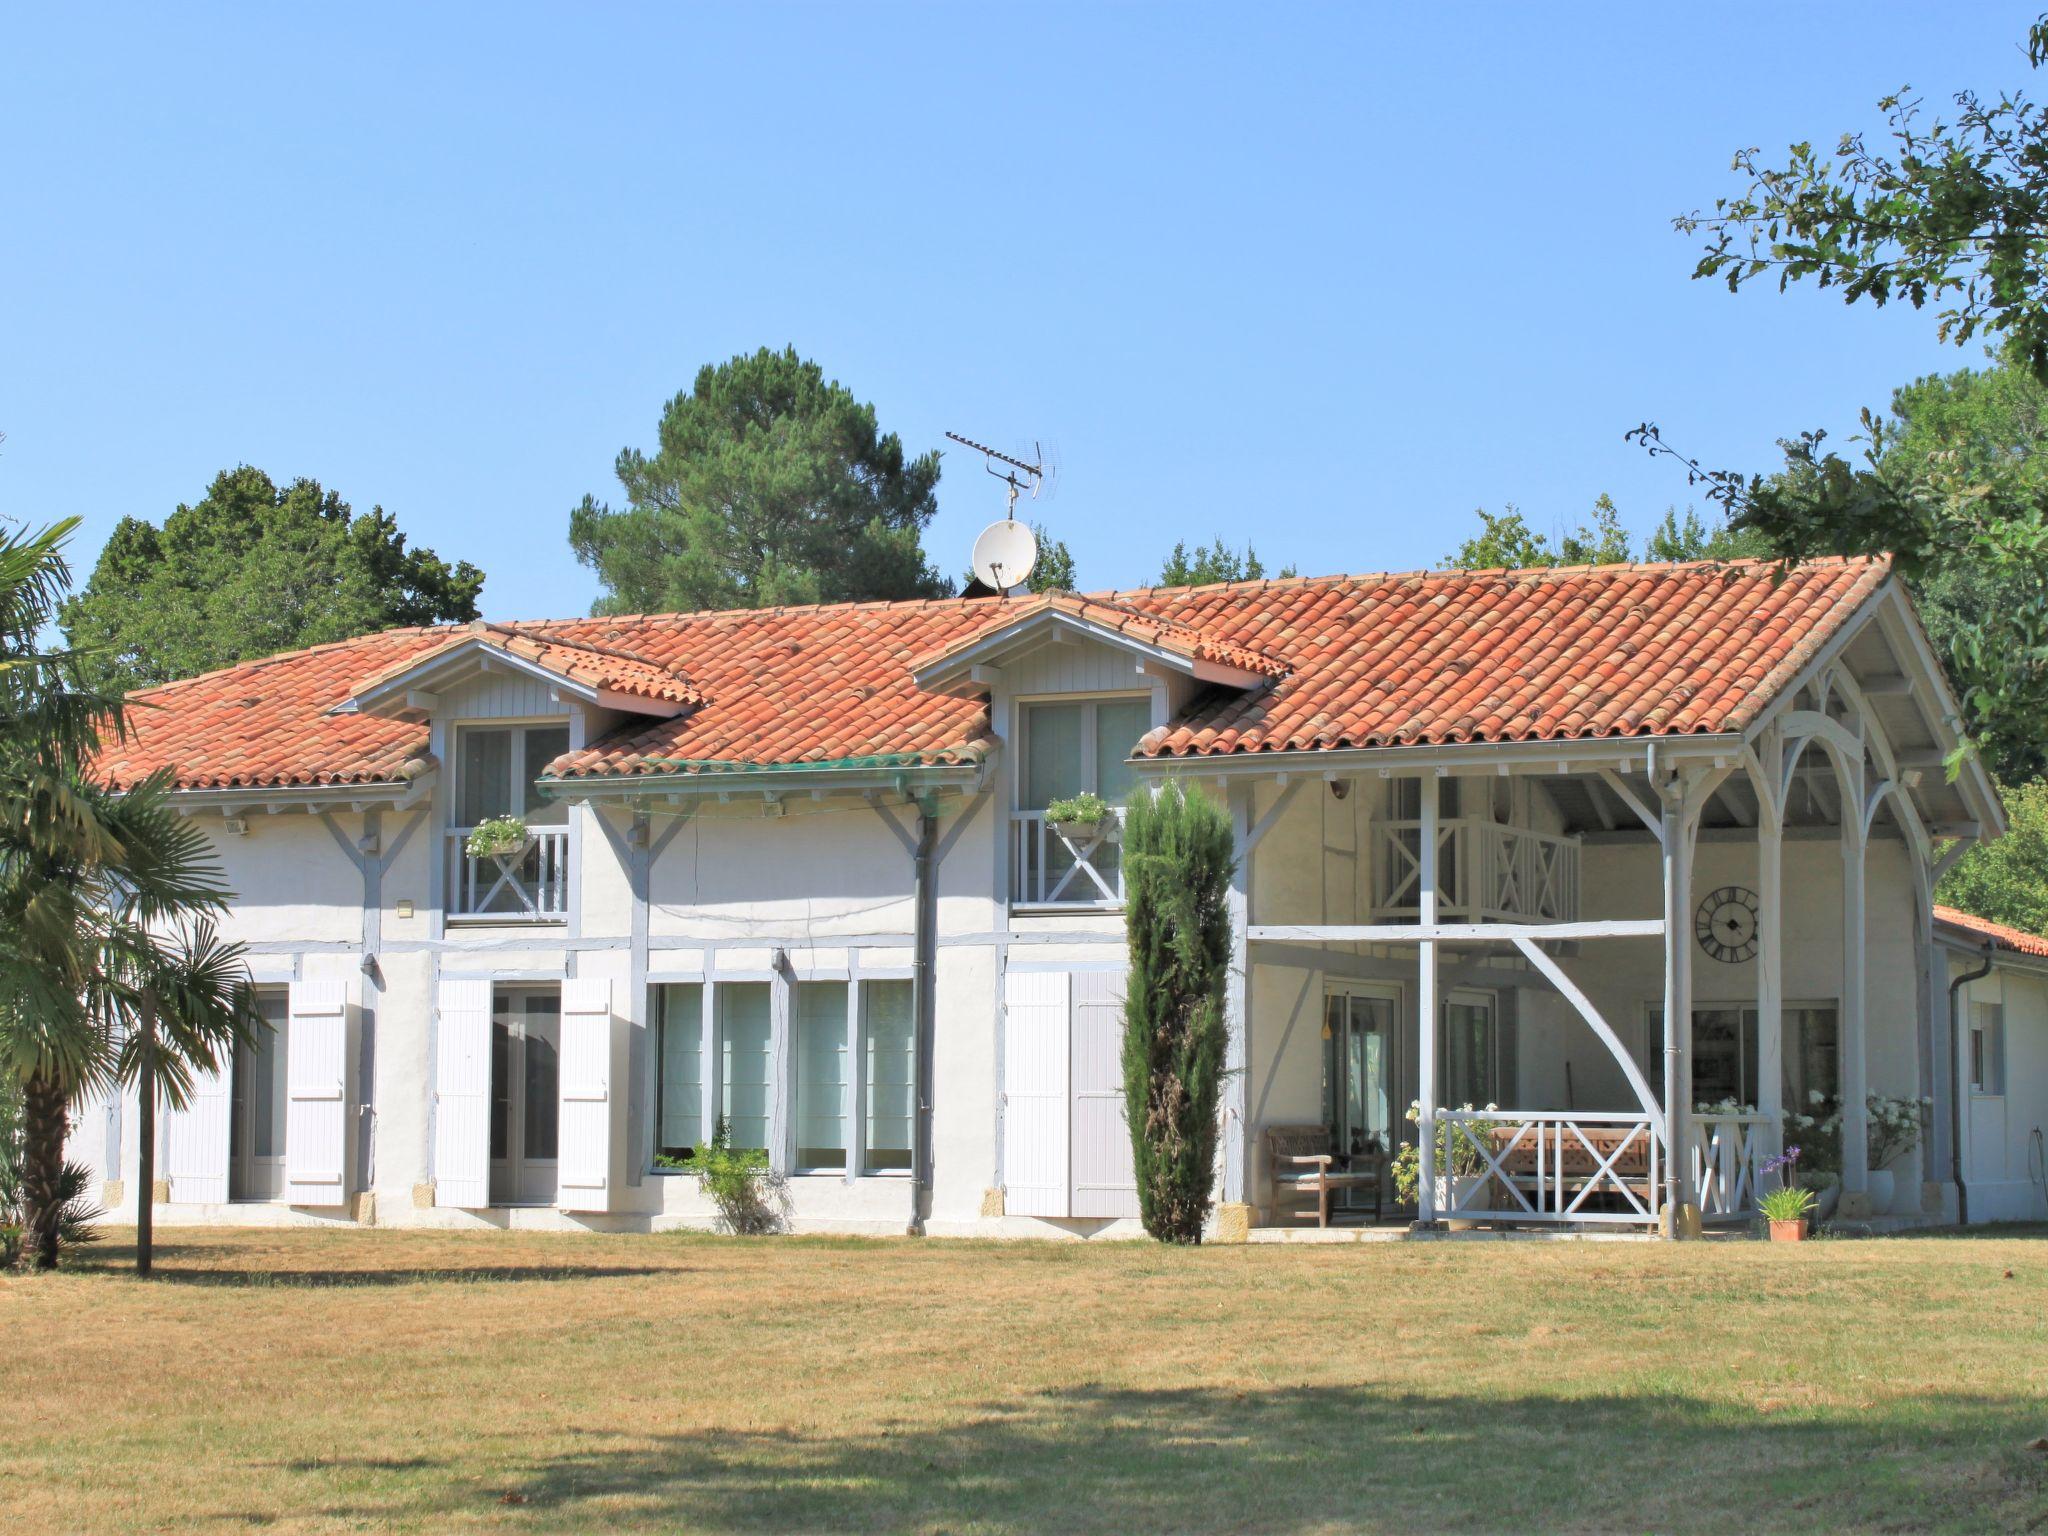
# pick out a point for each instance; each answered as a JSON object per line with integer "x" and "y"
{"x": 1247, "y": 834}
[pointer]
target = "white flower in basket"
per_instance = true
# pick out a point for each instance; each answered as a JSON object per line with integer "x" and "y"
{"x": 1080, "y": 818}
{"x": 500, "y": 837}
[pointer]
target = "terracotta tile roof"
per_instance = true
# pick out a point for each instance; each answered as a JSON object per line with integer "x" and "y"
{"x": 1119, "y": 616}
{"x": 1437, "y": 658}
{"x": 1982, "y": 928}
{"x": 596, "y": 665}
{"x": 267, "y": 723}
{"x": 1355, "y": 661}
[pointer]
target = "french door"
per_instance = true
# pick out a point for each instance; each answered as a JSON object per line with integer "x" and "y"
{"x": 526, "y": 1094}
{"x": 256, "y": 1113}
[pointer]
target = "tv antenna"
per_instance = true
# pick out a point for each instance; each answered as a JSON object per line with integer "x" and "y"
{"x": 1034, "y": 474}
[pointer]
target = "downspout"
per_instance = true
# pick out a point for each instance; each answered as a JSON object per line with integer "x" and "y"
{"x": 923, "y": 967}
{"x": 1955, "y": 1086}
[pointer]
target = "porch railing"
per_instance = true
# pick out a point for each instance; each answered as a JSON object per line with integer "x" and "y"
{"x": 530, "y": 886}
{"x": 1532, "y": 1166}
{"x": 1048, "y": 868}
{"x": 1727, "y": 1161}
{"x": 1486, "y": 872}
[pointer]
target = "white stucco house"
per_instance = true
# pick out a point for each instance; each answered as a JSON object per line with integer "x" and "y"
{"x": 1590, "y": 846}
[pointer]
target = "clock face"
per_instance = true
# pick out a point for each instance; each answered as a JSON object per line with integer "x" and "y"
{"x": 1726, "y": 924}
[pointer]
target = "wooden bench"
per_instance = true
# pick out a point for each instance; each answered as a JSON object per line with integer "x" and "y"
{"x": 1300, "y": 1162}
{"x": 1582, "y": 1152}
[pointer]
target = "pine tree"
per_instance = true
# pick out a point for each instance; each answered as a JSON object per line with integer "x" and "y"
{"x": 1178, "y": 855}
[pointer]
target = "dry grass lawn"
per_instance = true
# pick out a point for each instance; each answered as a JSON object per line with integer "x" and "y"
{"x": 336, "y": 1380}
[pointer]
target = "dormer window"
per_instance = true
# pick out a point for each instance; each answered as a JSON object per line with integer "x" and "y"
{"x": 1073, "y": 747}
{"x": 496, "y": 769}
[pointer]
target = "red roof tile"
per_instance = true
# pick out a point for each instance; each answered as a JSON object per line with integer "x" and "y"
{"x": 611, "y": 668}
{"x": 1982, "y": 928}
{"x": 1356, "y": 661}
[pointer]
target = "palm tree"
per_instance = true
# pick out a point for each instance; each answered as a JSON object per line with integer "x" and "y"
{"x": 187, "y": 1003}
{"x": 93, "y": 885}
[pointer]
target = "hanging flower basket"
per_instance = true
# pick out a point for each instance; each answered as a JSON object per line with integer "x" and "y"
{"x": 1081, "y": 818}
{"x": 497, "y": 838}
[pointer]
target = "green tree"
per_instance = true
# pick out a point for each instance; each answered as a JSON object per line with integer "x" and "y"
{"x": 770, "y": 485}
{"x": 250, "y": 569}
{"x": 1178, "y": 855}
{"x": 1204, "y": 567}
{"x": 2006, "y": 879}
{"x": 1691, "y": 539}
{"x": 1951, "y": 211}
{"x": 1507, "y": 542}
{"x": 1954, "y": 211}
{"x": 1054, "y": 570}
{"x": 93, "y": 887}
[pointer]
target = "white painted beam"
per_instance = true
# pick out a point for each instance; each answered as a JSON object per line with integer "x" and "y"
{"x": 1452, "y": 933}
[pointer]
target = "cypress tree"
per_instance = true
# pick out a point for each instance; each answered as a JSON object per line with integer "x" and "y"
{"x": 1178, "y": 854}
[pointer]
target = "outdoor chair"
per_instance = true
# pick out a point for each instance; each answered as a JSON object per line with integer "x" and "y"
{"x": 1303, "y": 1166}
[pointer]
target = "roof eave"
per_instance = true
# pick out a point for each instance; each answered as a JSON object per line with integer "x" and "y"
{"x": 1576, "y": 755}
{"x": 768, "y": 779}
{"x": 952, "y": 671}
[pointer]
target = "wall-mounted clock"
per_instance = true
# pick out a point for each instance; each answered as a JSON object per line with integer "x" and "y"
{"x": 1726, "y": 924}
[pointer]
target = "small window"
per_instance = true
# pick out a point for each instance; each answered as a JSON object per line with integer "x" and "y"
{"x": 679, "y": 1072}
{"x": 889, "y": 1065}
{"x": 745, "y": 1063}
{"x": 1987, "y": 1048}
{"x": 821, "y": 1078}
{"x": 498, "y": 767}
{"x": 1470, "y": 1074}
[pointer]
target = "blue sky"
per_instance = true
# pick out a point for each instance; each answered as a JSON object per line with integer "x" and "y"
{"x": 1324, "y": 279}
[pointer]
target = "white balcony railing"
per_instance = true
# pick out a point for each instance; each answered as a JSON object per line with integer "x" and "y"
{"x": 1486, "y": 872}
{"x": 1051, "y": 868}
{"x": 530, "y": 886}
{"x": 1727, "y": 1159}
{"x": 1537, "y": 1167}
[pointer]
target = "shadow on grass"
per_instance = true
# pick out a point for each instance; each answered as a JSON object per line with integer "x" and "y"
{"x": 1285, "y": 1459}
{"x": 118, "y": 1259}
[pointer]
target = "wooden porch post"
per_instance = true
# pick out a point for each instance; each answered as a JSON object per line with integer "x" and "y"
{"x": 1236, "y": 994}
{"x": 1770, "y": 972}
{"x": 1425, "y": 1004}
{"x": 1855, "y": 1112}
{"x": 1677, "y": 1008}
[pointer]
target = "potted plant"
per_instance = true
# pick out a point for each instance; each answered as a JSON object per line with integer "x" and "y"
{"x": 1895, "y": 1129}
{"x": 1078, "y": 818}
{"x": 499, "y": 837}
{"x": 1459, "y": 1169}
{"x": 1788, "y": 1208}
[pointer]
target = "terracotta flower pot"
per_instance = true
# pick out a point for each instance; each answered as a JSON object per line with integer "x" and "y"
{"x": 1789, "y": 1231}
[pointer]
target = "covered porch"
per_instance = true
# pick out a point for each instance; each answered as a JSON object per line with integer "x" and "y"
{"x": 1624, "y": 948}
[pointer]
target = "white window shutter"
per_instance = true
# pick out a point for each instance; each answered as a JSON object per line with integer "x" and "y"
{"x": 1035, "y": 1077}
{"x": 316, "y": 1087}
{"x": 462, "y": 1096}
{"x": 584, "y": 1150}
{"x": 196, "y": 1140}
{"x": 1105, "y": 1176}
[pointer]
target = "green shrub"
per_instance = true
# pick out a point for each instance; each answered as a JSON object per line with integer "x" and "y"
{"x": 751, "y": 1199}
{"x": 1178, "y": 856}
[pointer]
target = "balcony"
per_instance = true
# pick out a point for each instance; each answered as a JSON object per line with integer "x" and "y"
{"x": 1054, "y": 871}
{"x": 530, "y": 886}
{"x": 1486, "y": 873}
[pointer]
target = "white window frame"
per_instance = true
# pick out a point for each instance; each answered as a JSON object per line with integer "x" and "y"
{"x": 784, "y": 1096}
{"x": 1651, "y": 1057}
{"x": 521, "y": 780}
{"x": 1986, "y": 1059}
{"x": 856, "y": 1121}
{"x": 1090, "y": 705}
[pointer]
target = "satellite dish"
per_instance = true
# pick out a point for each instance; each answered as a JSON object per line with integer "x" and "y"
{"x": 1004, "y": 555}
